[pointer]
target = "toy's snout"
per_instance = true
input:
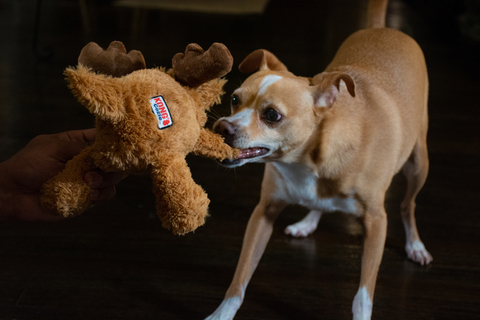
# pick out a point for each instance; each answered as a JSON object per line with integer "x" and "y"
{"x": 227, "y": 130}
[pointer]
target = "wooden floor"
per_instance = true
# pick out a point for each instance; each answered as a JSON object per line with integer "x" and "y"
{"x": 116, "y": 262}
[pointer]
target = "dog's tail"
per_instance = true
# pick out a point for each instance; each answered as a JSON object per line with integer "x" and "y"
{"x": 377, "y": 11}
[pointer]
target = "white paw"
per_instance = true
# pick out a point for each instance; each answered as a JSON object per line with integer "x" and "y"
{"x": 362, "y": 305}
{"x": 300, "y": 229}
{"x": 417, "y": 252}
{"x": 305, "y": 226}
{"x": 227, "y": 309}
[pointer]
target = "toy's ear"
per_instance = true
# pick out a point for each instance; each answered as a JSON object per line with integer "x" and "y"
{"x": 115, "y": 61}
{"x": 327, "y": 86}
{"x": 261, "y": 60}
{"x": 100, "y": 94}
{"x": 196, "y": 66}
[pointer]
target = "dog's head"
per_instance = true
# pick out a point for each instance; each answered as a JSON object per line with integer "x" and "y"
{"x": 274, "y": 112}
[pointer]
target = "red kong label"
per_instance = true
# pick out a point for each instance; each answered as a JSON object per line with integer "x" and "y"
{"x": 160, "y": 109}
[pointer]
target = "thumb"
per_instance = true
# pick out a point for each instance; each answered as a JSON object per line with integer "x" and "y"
{"x": 86, "y": 135}
{"x": 71, "y": 143}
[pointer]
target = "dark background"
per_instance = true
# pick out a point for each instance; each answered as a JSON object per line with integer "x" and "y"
{"x": 116, "y": 262}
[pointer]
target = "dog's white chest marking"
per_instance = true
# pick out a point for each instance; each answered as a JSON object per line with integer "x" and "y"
{"x": 299, "y": 185}
{"x": 266, "y": 82}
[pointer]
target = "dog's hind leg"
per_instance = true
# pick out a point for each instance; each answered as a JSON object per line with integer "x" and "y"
{"x": 305, "y": 226}
{"x": 415, "y": 171}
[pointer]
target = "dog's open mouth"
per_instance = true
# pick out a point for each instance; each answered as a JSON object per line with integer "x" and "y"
{"x": 252, "y": 153}
{"x": 248, "y": 153}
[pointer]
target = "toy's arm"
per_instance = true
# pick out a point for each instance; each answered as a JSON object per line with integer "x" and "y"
{"x": 211, "y": 145}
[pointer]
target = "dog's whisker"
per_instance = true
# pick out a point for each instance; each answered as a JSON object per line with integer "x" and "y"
{"x": 213, "y": 114}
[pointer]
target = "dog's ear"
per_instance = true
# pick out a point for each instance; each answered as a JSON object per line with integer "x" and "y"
{"x": 261, "y": 60}
{"x": 100, "y": 94}
{"x": 327, "y": 87}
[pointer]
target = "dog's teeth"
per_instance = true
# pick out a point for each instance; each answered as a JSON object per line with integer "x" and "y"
{"x": 252, "y": 153}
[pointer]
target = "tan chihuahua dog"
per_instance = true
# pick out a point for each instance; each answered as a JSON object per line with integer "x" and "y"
{"x": 333, "y": 143}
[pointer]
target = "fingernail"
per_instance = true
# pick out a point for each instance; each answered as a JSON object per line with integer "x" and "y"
{"x": 94, "y": 180}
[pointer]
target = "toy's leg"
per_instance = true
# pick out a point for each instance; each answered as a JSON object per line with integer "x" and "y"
{"x": 67, "y": 193}
{"x": 181, "y": 203}
{"x": 211, "y": 145}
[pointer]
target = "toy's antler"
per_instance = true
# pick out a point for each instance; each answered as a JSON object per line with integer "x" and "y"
{"x": 115, "y": 61}
{"x": 197, "y": 66}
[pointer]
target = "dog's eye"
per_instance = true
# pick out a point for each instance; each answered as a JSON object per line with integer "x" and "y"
{"x": 235, "y": 100}
{"x": 271, "y": 115}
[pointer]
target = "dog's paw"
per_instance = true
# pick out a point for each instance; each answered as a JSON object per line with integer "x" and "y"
{"x": 362, "y": 305}
{"x": 417, "y": 252}
{"x": 226, "y": 310}
{"x": 305, "y": 226}
{"x": 300, "y": 229}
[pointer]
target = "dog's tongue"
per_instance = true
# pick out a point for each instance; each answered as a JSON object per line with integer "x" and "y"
{"x": 252, "y": 153}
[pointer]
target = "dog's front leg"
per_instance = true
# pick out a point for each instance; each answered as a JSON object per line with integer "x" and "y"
{"x": 375, "y": 226}
{"x": 259, "y": 230}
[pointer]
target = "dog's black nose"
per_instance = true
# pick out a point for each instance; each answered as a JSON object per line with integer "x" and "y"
{"x": 226, "y": 130}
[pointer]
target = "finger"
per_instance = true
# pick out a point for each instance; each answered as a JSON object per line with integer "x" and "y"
{"x": 31, "y": 210}
{"x": 102, "y": 194}
{"x": 70, "y": 143}
{"x": 86, "y": 135}
{"x": 48, "y": 147}
{"x": 99, "y": 179}
{"x": 63, "y": 150}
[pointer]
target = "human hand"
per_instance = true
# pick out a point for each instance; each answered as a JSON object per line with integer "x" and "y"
{"x": 22, "y": 176}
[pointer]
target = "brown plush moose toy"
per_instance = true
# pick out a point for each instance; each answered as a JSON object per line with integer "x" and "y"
{"x": 146, "y": 119}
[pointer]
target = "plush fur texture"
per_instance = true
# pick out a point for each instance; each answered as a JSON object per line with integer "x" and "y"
{"x": 129, "y": 140}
